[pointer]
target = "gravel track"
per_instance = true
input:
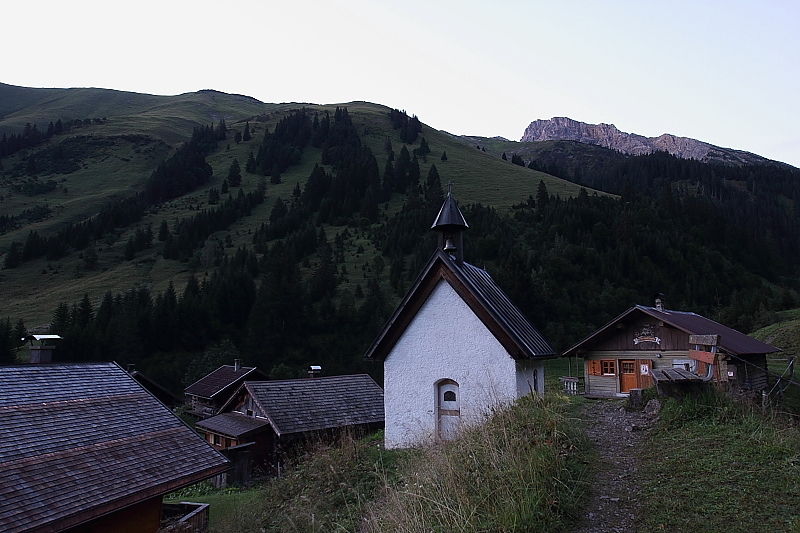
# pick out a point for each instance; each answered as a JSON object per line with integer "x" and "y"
{"x": 614, "y": 505}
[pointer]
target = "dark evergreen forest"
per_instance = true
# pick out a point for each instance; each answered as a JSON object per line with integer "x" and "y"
{"x": 714, "y": 239}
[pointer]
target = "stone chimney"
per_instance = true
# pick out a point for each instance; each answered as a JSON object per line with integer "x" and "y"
{"x": 237, "y": 364}
{"x": 41, "y": 353}
{"x": 660, "y": 301}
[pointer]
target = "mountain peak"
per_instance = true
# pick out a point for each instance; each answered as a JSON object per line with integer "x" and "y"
{"x": 608, "y": 136}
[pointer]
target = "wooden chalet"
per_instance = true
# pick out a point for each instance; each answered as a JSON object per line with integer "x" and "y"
{"x": 272, "y": 415}
{"x": 647, "y": 346}
{"x": 205, "y": 396}
{"x": 455, "y": 346}
{"x": 84, "y": 448}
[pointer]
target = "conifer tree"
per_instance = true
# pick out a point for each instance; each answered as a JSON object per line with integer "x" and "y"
{"x": 542, "y": 197}
{"x": 235, "y": 174}
{"x": 250, "y": 166}
{"x": 444, "y": 156}
{"x": 7, "y": 350}
{"x": 414, "y": 172}
{"x": 246, "y": 135}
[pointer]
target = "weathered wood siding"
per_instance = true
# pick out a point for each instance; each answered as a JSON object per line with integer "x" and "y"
{"x": 610, "y": 385}
{"x": 645, "y": 334}
{"x": 750, "y": 375}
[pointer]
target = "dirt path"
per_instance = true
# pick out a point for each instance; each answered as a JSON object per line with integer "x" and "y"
{"x": 614, "y": 505}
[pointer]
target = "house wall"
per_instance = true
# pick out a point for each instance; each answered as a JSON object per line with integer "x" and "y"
{"x": 446, "y": 340}
{"x": 609, "y": 385}
{"x": 530, "y": 377}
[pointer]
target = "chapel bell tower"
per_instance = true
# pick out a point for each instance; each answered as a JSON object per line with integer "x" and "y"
{"x": 449, "y": 225}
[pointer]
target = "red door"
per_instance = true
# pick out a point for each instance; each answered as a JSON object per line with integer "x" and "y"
{"x": 627, "y": 375}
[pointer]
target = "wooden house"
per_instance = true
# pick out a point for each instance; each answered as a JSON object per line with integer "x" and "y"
{"x": 205, "y": 396}
{"x": 273, "y": 415}
{"x": 652, "y": 345}
{"x": 455, "y": 347}
{"x": 84, "y": 448}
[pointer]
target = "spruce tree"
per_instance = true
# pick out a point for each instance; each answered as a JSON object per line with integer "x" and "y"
{"x": 542, "y": 197}
{"x": 163, "y": 230}
{"x": 246, "y": 135}
{"x": 235, "y": 174}
{"x": 275, "y": 175}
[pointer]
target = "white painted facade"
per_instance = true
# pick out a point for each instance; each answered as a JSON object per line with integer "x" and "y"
{"x": 447, "y": 348}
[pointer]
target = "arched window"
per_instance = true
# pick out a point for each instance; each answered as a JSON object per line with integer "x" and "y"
{"x": 449, "y": 396}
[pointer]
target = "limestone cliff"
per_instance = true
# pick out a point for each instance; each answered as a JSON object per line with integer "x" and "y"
{"x": 608, "y": 136}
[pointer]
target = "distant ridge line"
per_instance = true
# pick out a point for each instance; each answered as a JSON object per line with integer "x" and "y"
{"x": 608, "y": 136}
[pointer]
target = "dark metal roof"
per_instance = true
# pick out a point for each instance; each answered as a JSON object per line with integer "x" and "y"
{"x": 499, "y": 314}
{"x": 730, "y": 341}
{"x": 450, "y": 216}
{"x": 507, "y": 314}
{"x": 78, "y": 441}
{"x": 220, "y": 379}
{"x": 234, "y": 425}
{"x": 313, "y": 404}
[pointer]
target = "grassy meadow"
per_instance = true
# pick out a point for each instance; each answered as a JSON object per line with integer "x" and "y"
{"x": 713, "y": 465}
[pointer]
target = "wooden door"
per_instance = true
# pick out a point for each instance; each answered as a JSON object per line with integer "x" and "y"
{"x": 627, "y": 375}
{"x": 449, "y": 409}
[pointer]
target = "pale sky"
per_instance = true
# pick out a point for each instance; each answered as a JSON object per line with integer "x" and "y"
{"x": 727, "y": 73}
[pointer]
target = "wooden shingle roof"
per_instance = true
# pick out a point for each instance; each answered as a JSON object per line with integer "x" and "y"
{"x": 484, "y": 297}
{"x": 302, "y": 405}
{"x": 233, "y": 425}
{"x": 78, "y": 441}
{"x": 220, "y": 379}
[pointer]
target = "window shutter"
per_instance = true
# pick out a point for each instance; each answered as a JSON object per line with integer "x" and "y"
{"x": 594, "y": 367}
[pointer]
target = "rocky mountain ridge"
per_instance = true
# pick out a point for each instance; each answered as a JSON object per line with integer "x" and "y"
{"x": 608, "y": 136}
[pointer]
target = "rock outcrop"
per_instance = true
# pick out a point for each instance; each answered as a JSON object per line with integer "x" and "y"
{"x": 608, "y": 136}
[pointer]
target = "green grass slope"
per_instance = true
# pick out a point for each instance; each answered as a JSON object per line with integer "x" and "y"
{"x": 33, "y": 290}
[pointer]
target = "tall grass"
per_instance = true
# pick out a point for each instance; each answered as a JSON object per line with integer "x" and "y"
{"x": 715, "y": 465}
{"x": 524, "y": 470}
{"x": 521, "y": 471}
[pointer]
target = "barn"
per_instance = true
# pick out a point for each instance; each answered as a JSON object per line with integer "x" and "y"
{"x": 653, "y": 345}
{"x": 269, "y": 417}
{"x": 455, "y": 347}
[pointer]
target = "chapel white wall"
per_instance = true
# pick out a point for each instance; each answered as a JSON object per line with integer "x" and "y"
{"x": 446, "y": 340}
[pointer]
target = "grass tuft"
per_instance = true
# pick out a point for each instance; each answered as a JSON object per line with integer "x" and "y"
{"x": 523, "y": 470}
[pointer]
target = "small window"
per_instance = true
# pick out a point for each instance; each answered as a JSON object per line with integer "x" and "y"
{"x": 608, "y": 367}
{"x": 216, "y": 440}
{"x": 449, "y": 396}
{"x": 249, "y": 412}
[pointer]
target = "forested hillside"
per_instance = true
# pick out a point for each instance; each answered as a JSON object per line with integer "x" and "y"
{"x": 287, "y": 237}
